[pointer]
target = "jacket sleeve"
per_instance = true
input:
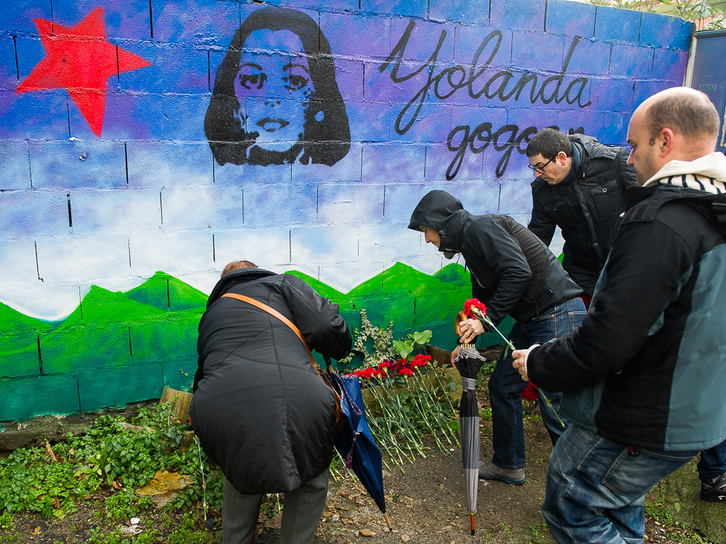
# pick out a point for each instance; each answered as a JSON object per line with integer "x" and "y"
{"x": 642, "y": 275}
{"x": 541, "y": 225}
{"x": 497, "y": 248}
{"x": 318, "y": 319}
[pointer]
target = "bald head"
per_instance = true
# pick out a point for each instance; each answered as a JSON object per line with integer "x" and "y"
{"x": 676, "y": 124}
{"x": 685, "y": 111}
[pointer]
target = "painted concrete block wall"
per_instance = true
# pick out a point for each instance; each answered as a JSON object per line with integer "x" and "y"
{"x": 117, "y": 214}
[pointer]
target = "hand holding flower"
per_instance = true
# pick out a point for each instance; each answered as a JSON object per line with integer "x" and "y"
{"x": 477, "y": 311}
{"x": 469, "y": 330}
{"x": 520, "y": 361}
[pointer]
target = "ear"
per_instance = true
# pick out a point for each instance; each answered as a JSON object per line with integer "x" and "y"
{"x": 666, "y": 142}
{"x": 562, "y": 158}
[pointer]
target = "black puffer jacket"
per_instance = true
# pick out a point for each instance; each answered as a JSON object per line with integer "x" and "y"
{"x": 586, "y": 205}
{"x": 646, "y": 367}
{"x": 512, "y": 271}
{"x": 259, "y": 408}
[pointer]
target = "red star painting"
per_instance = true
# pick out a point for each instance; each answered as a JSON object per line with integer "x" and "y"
{"x": 80, "y": 60}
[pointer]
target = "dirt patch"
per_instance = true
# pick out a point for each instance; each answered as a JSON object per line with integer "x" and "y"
{"x": 427, "y": 505}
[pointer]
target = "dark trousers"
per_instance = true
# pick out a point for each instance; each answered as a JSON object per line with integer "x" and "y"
{"x": 300, "y": 514}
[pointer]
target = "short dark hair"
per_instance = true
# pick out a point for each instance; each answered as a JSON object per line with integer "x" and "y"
{"x": 690, "y": 113}
{"x": 237, "y": 265}
{"x": 326, "y": 130}
{"x": 548, "y": 142}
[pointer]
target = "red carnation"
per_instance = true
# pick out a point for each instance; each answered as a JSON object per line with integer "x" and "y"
{"x": 475, "y": 309}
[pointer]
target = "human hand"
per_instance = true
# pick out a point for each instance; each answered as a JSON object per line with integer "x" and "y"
{"x": 469, "y": 329}
{"x": 520, "y": 361}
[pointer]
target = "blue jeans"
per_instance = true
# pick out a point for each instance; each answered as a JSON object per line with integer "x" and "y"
{"x": 505, "y": 385}
{"x": 595, "y": 487}
{"x": 713, "y": 462}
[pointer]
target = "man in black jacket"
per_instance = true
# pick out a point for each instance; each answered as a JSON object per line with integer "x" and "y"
{"x": 259, "y": 408}
{"x": 644, "y": 376}
{"x": 513, "y": 273}
{"x": 580, "y": 187}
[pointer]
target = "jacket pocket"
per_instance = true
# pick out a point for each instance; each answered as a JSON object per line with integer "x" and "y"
{"x": 605, "y": 199}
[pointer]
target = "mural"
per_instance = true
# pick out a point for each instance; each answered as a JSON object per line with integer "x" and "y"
{"x": 145, "y": 144}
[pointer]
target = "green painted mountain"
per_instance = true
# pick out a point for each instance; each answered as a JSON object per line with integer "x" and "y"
{"x": 108, "y": 328}
{"x": 19, "y": 341}
{"x": 410, "y": 299}
{"x": 167, "y": 293}
{"x": 323, "y": 289}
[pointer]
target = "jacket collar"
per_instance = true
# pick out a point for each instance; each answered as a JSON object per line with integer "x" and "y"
{"x": 643, "y": 203}
{"x": 238, "y": 276}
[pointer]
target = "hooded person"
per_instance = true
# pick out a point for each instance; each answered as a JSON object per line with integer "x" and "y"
{"x": 514, "y": 274}
{"x": 259, "y": 408}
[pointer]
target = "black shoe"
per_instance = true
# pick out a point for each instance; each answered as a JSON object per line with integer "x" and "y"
{"x": 714, "y": 490}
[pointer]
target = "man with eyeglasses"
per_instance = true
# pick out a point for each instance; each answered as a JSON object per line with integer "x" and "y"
{"x": 579, "y": 187}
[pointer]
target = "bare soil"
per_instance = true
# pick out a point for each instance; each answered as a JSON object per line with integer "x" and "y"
{"x": 427, "y": 504}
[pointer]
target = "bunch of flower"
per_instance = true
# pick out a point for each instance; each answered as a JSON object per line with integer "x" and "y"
{"x": 474, "y": 309}
{"x": 389, "y": 369}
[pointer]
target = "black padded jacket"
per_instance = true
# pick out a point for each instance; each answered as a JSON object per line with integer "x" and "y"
{"x": 259, "y": 408}
{"x": 586, "y": 205}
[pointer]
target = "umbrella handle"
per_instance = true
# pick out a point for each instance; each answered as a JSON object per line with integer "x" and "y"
{"x": 328, "y": 363}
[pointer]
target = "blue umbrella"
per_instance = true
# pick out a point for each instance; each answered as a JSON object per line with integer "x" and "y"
{"x": 355, "y": 441}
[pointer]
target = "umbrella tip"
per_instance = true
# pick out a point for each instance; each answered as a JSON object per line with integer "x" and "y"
{"x": 473, "y": 529}
{"x": 388, "y": 521}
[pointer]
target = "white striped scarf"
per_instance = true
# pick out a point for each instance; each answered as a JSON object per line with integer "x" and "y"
{"x": 694, "y": 181}
{"x": 707, "y": 173}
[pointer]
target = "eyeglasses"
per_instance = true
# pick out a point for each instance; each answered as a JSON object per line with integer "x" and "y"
{"x": 539, "y": 169}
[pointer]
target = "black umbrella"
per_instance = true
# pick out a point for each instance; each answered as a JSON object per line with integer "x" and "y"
{"x": 468, "y": 362}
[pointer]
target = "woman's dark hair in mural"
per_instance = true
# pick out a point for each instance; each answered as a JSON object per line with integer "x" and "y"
{"x": 326, "y": 133}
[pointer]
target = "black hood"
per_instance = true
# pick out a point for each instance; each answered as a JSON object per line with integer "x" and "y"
{"x": 443, "y": 213}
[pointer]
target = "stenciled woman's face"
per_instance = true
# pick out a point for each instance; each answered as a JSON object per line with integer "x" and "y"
{"x": 273, "y": 89}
